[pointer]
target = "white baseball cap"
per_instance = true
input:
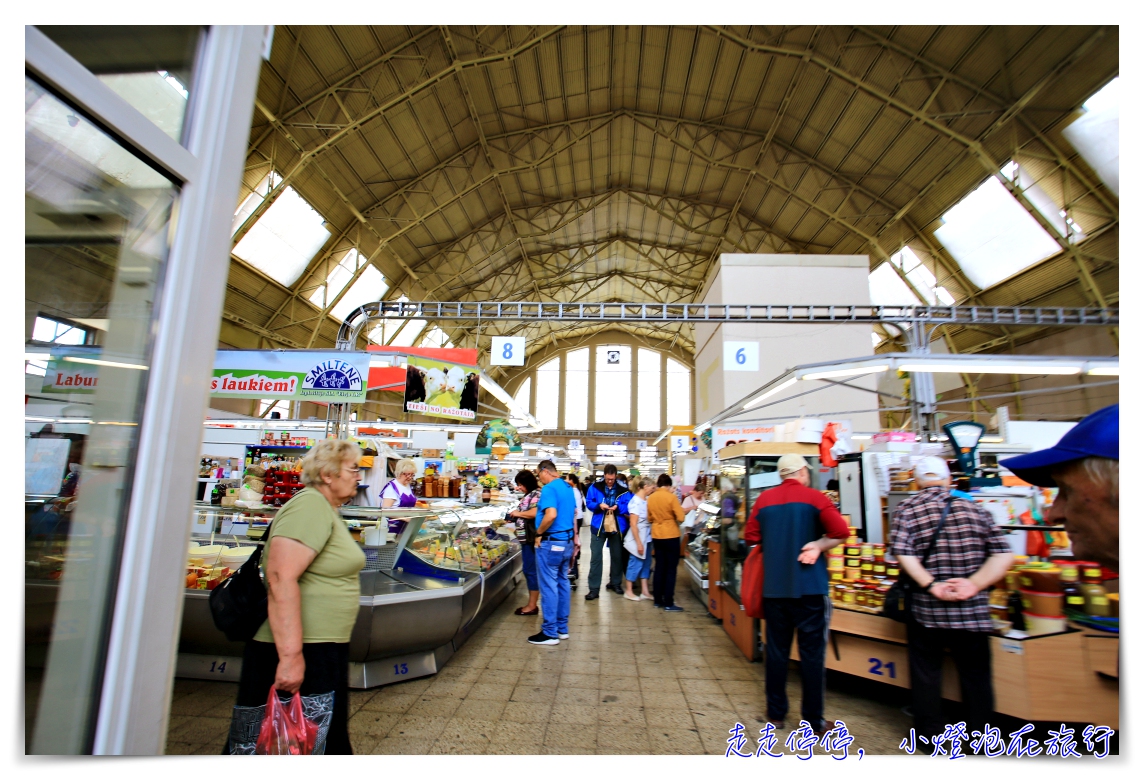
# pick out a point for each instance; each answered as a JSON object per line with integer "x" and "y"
{"x": 931, "y": 467}
{"x": 791, "y": 464}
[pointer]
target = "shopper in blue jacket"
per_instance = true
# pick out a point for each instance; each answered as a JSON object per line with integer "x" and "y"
{"x": 604, "y": 495}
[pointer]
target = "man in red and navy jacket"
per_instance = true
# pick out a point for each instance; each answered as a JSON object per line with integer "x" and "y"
{"x": 795, "y": 525}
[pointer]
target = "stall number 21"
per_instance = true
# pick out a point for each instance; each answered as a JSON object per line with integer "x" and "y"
{"x": 877, "y": 665}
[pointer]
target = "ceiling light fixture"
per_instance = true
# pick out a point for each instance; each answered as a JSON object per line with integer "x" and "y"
{"x": 983, "y": 367}
{"x": 1105, "y": 371}
{"x": 769, "y": 393}
{"x": 108, "y": 363}
{"x": 841, "y": 372}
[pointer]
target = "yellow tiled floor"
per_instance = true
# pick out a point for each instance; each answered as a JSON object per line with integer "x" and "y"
{"x": 630, "y": 680}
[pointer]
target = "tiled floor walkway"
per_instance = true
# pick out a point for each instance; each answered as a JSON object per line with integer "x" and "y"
{"x": 630, "y": 680}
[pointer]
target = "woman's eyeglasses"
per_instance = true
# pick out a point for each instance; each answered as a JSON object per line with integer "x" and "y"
{"x": 353, "y": 469}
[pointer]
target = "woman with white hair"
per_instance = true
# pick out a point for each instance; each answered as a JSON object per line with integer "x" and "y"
{"x": 399, "y": 492}
{"x": 313, "y": 591}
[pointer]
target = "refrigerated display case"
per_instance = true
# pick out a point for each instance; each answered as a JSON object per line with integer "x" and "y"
{"x": 697, "y": 562}
{"x": 424, "y": 591}
{"x": 745, "y": 471}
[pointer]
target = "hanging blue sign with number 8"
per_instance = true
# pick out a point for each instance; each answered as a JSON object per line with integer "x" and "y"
{"x": 507, "y": 351}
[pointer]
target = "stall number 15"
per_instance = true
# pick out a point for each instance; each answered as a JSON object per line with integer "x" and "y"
{"x": 400, "y": 669}
{"x": 877, "y": 665}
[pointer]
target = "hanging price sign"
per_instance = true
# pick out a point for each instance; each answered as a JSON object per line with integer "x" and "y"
{"x": 507, "y": 351}
{"x": 740, "y": 356}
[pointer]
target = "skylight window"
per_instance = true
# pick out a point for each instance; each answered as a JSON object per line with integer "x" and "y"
{"x": 389, "y": 327}
{"x": 55, "y": 332}
{"x": 921, "y": 277}
{"x": 1096, "y": 135}
{"x": 251, "y": 201}
{"x": 284, "y": 239}
{"x": 436, "y": 338}
{"x": 408, "y": 334}
{"x": 1042, "y": 201}
{"x": 992, "y": 236}
{"x": 369, "y": 287}
{"x": 888, "y": 289}
{"x": 336, "y": 279}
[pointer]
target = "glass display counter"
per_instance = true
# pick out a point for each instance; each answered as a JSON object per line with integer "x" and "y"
{"x": 432, "y": 575}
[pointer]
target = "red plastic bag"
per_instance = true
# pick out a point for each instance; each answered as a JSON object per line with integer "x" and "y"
{"x": 285, "y": 730}
{"x": 751, "y": 588}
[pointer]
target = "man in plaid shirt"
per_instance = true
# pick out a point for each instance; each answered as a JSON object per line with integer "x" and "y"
{"x": 953, "y": 610}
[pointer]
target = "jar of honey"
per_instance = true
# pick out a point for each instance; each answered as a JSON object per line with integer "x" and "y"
{"x": 868, "y": 566}
{"x": 852, "y": 573}
{"x": 853, "y": 550}
{"x": 861, "y": 596}
{"x": 1090, "y": 571}
{"x": 867, "y": 549}
{"x": 849, "y": 595}
{"x": 837, "y": 592}
{"x": 1095, "y": 599}
{"x": 892, "y": 571}
{"x": 879, "y": 553}
{"x": 879, "y": 568}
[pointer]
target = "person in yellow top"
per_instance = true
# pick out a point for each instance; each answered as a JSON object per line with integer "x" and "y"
{"x": 313, "y": 594}
{"x": 665, "y": 513}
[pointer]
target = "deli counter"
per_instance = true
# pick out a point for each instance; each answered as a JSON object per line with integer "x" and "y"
{"x": 432, "y": 576}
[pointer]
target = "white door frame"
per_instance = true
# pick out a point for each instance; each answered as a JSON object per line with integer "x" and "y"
{"x": 140, "y": 656}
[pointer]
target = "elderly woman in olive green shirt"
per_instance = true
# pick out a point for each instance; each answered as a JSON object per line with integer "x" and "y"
{"x": 312, "y": 566}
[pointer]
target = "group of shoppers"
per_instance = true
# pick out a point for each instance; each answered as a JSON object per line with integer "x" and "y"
{"x": 952, "y": 551}
{"x": 312, "y": 566}
{"x": 646, "y": 514}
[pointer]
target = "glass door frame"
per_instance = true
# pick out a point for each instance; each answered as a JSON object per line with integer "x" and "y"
{"x": 130, "y": 719}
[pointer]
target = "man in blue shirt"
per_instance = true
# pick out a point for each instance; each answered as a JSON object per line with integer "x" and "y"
{"x": 556, "y": 511}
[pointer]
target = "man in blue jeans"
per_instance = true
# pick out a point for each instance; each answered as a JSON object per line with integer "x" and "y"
{"x": 554, "y": 547}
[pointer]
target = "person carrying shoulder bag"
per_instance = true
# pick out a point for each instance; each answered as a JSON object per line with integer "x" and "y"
{"x": 964, "y": 554}
{"x": 313, "y": 594}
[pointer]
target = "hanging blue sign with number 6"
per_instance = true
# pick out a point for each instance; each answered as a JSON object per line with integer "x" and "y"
{"x": 507, "y": 351}
{"x": 740, "y": 356}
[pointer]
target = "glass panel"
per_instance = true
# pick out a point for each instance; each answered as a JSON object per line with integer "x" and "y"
{"x": 992, "y": 236}
{"x": 1096, "y": 135}
{"x": 524, "y": 394}
{"x": 548, "y": 394}
{"x": 888, "y": 289}
{"x": 408, "y": 334}
{"x": 97, "y": 221}
{"x": 648, "y": 383}
{"x": 369, "y": 287}
{"x": 284, "y": 239}
{"x": 151, "y": 67}
{"x": 576, "y": 390}
{"x": 678, "y": 393}
{"x": 613, "y": 384}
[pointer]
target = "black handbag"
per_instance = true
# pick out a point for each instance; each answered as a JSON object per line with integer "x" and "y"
{"x": 239, "y": 603}
{"x": 897, "y": 604}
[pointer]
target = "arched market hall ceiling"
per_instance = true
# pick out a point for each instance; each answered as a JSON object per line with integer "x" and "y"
{"x": 616, "y": 163}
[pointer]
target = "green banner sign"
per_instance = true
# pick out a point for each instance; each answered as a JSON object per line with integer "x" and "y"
{"x": 326, "y": 377}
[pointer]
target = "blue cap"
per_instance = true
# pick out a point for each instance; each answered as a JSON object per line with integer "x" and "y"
{"x": 1097, "y": 435}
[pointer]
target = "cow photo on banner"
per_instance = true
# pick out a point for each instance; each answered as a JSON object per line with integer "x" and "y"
{"x": 437, "y": 388}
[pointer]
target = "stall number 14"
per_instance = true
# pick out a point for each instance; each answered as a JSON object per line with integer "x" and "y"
{"x": 877, "y": 665}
